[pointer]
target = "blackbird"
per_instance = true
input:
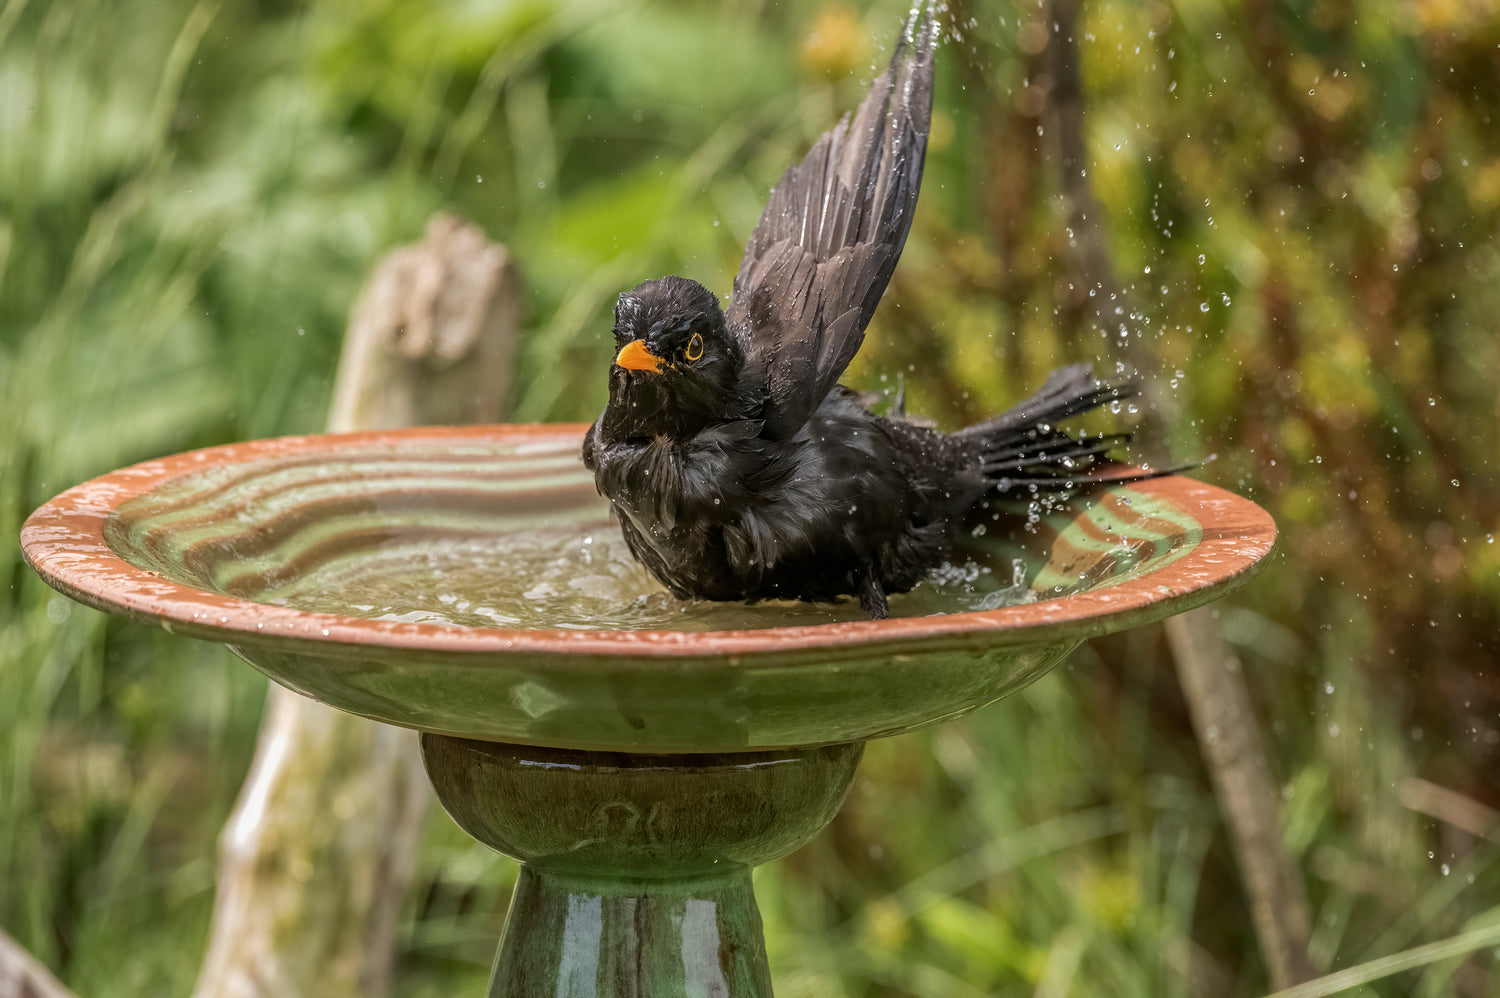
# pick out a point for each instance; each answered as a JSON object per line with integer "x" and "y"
{"x": 738, "y": 467}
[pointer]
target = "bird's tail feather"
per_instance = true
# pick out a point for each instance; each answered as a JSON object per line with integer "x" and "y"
{"x": 1022, "y": 451}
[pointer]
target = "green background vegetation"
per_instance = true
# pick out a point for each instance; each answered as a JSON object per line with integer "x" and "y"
{"x": 1300, "y": 202}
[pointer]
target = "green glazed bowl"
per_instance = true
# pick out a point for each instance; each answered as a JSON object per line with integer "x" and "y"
{"x": 467, "y": 581}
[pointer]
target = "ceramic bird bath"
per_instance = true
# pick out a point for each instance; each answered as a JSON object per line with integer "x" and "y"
{"x": 638, "y": 755}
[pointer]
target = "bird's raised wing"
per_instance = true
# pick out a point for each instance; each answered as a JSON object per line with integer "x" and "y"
{"x": 826, "y": 245}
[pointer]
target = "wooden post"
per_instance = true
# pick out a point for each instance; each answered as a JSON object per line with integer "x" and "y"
{"x": 316, "y": 858}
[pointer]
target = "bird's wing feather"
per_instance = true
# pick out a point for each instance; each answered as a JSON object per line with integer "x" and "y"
{"x": 821, "y": 256}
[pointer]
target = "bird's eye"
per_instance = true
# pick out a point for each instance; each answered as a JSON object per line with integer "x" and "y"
{"x": 694, "y": 348}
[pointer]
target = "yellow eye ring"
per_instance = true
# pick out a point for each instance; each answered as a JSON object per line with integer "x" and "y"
{"x": 694, "y": 348}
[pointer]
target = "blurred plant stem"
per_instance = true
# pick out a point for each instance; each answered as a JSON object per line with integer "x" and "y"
{"x": 1389, "y": 966}
{"x": 1235, "y": 755}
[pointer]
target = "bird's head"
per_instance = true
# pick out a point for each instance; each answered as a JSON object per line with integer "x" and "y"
{"x": 677, "y": 365}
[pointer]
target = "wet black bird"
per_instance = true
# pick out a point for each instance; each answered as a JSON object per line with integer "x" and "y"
{"x": 738, "y": 467}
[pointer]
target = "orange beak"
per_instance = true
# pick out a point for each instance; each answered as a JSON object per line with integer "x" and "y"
{"x": 635, "y": 357}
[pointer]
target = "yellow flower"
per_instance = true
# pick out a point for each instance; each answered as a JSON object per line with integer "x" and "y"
{"x": 836, "y": 46}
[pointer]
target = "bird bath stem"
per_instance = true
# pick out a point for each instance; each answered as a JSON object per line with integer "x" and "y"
{"x": 637, "y": 774}
{"x": 635, "y": 869}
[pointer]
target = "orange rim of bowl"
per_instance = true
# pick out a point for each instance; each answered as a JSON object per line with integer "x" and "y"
{"x": 64, "y": 542}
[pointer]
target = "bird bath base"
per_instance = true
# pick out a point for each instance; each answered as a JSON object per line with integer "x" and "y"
{"x": 635, "y": 869}
{"x": 638, "y": 771}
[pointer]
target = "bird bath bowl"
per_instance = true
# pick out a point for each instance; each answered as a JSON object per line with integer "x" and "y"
{"x": 638, "y": 755}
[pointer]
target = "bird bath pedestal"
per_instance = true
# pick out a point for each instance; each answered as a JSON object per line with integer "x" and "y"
{"x": 637, "y": 756}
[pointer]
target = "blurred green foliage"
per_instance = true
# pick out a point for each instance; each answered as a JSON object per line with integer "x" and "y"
{"x": 1300, "y": 203}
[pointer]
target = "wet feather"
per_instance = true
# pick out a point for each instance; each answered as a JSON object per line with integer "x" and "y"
{"x": 737, "y": 465}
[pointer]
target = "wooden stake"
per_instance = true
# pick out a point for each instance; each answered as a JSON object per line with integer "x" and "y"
{"x": 316, "y": 858}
